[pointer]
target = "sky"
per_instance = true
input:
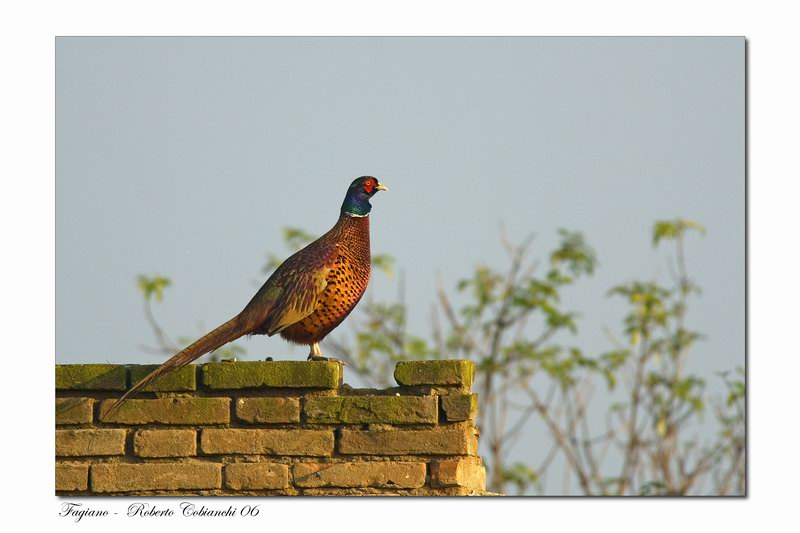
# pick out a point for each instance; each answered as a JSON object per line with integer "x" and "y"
{"x": 187, "y": 156}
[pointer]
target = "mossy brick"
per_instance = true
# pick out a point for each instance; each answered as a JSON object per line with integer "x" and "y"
{"x": 72, "y": 477}
{"x": 74, "y": 411}
{"x": 459, "y": 407}
{"x": 371, "y": 409}
{"x": 179, "y": 410}
{"x": 254, "y": 476}
{"x": 384, "y": 491}
{"x": 91, "y": 377}
{"x": 127, "y": 477}
{"x": 465, "y": 472}
{"x": 165, "y": 443}
{"x": 392, "y": 474}
{"x": 181, "y": 380}
{"x": 80, "y": 442}
{"x": 453, "y": 440}
{"x": 294, "y": 442}
{"x": 268, "y": 410}
{"x": 455, "y": 372}
{"x": 276, "y": 374}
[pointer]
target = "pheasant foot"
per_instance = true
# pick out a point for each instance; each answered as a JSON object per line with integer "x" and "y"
{"x": 316, "y": 355}
{"x": 331, "y": 359}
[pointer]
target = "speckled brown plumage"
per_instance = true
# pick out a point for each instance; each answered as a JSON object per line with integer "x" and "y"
{"x": 307, "y": 296}
{"x": 345, "y": 283}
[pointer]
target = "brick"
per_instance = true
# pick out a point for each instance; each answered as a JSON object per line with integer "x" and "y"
{"x": 456, "y": 372}
{"x": 91, "y": 377}
{"x": 282, "y": 374}
{"x": 126, "y": 477}
{"x": 311, "y": 442}
{"x": 75, "y": 442}
{"x": 74, "y": 410}
{"x": 371, "y": 409}
{"x": 439, "y": 441}
{"x": 165, "y": 443}
{"x": 462, "y": 472}
{"x": 253, "y": 476}
{"x": 180, "y": 380}
{"x": 170, "y": 411}
{"x": 268, "y": 410}
{"x": 72, "y": 477}
{"x": 459, "y": 407}
{"x": 373, "y": 491}
{"x": 360, "y": 474}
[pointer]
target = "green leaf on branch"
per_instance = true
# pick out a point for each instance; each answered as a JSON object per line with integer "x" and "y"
{"x": 296, "y": 238}
{"x": 384, "y": 263}
{"x": 674, "y": 229}
{"x": 573, "y": 252}
{"x": 520, "y": 475}
{"x": 153, "y": 286}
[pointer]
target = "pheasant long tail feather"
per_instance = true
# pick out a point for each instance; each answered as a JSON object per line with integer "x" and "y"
{"x": 230, "y": 330}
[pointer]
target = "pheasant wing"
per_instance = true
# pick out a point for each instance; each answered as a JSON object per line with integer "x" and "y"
{"x": 292, "y": 292}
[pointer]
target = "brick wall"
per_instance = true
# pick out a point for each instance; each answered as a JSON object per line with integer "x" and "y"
{"x": 268, "y": 428}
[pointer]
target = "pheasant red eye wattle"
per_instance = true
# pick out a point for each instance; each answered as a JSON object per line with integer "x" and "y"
{"x": 306, "y": 297}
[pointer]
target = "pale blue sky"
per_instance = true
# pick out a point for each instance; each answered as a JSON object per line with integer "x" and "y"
{"x": 186, "y": 157}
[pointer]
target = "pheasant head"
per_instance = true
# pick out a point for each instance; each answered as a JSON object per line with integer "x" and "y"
{"x": 356, "y": 202}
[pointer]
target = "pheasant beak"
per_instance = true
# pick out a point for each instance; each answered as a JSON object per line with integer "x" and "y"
{"x": 381, "y": 187}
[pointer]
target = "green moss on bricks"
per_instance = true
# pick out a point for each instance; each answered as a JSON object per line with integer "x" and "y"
{"x": 459, "y": 407}
{"x": 268, "y": 410}
{"x": 182, "y": 379}
{"x": 372, "y": 409}
{"x": 280, "y": 374}
{"x": 456, "y": 372}
{"x": 74, "y": 410}
{"x": 169, "y": 411}
{"x": 91, "y": 377}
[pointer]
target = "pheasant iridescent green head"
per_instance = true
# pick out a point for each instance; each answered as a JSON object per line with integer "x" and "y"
{"x": 356, "y": 202}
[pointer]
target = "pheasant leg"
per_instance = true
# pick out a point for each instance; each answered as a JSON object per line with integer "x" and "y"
{"x": 316, "y": 355}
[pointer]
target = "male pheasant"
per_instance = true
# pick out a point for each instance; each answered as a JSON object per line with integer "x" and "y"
{"x": 306, "y": 297}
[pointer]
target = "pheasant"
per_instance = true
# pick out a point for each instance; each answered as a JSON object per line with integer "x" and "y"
{"x": 306, "y": 297}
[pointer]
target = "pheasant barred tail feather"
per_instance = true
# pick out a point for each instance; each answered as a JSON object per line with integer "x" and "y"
{"x": 224, "y": 334}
